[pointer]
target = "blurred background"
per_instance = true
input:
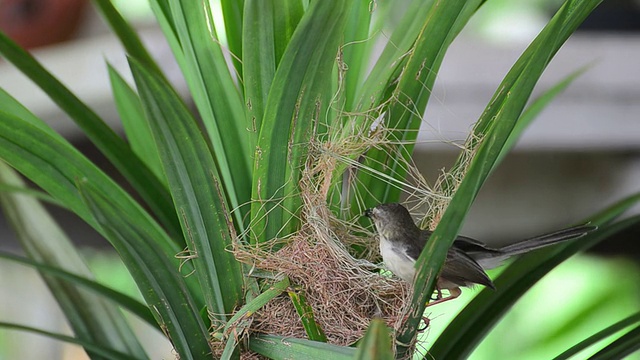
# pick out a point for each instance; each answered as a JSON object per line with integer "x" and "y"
{"x": 581, "y": 155}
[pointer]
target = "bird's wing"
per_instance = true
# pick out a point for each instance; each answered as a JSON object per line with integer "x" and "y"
{"x": 414, "y": 250}
{"x": 468, "y": 244}
{"x": 462, "y": 270}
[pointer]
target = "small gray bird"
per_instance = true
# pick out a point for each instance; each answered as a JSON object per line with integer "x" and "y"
{"x": 401, "y": 242}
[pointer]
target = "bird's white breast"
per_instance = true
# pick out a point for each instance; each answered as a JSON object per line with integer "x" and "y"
{"x": 397, "y": 261}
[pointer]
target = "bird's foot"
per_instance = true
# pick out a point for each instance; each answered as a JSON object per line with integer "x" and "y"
{"x": 426, "y": 324}
{"x": 453, "y": 294}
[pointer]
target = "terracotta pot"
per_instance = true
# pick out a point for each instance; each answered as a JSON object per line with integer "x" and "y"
{"x": 33, "y": 23}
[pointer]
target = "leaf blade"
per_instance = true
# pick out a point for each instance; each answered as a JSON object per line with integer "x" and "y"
{"x": 507, "y": 107}
{"x": 603, "y": 334}
{"x": 94, "y": 348}
{"x": 105, "y": 139}
{"x": 91, "y": 317}
{"x": 216, "y": 96}
{"x": 278, "y": 347}
{"x": 376, "y": 343}
{"x": 194, "y": 183}
{"x": 155, "y": 274}
{"x": 134, "y": 123}
{"x": 298, "y": 95}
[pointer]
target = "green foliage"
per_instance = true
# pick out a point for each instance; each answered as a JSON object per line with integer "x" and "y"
{"x": 376, "y": 343}
{"x": 297, "y": 81}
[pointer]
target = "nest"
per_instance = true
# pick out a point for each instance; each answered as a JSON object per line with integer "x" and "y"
{"x": 345, "y": 292}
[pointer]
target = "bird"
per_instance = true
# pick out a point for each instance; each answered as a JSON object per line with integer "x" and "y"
{"x": 401, "y": 242}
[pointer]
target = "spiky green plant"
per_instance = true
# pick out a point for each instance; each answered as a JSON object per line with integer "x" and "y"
{"x": 298, "y": 77}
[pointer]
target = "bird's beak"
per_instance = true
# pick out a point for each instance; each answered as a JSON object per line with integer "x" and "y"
{"x": 368, "y": 213}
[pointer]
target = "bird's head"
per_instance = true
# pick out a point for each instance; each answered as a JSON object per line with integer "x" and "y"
{"x": 390, "y": 219}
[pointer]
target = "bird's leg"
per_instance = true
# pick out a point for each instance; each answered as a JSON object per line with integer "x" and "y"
{"x": 426, "y": 324}
{"x": 439, "y": 296}
{"x": 453, "y": 293}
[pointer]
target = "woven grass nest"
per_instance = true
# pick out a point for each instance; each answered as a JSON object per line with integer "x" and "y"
{"x": 345, "y": 292}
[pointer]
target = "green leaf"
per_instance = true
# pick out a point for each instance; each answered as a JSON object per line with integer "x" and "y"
{"x": 257, "y": 303}
{"x": 93, "y": 348}
{"x": 400, "y": 43}
{"x": 112, "y": 146}
{"x": 286, "y": 17}
{"x": 197, "y": 193}
{"x": 296, "y": 105}
{"x": 601, "y": 335}
{"x": 241, "y": 320}
{"x": 14, "y": 107}
{"x": 36, "y": 194}
{"x": 217, "y": 98}
{"x": 162, "y": 12}
{"x": 508, "y": 105}
{"x": 122, "y": 300}
{"x": 477, "y": 319}
{"x": 561, "y": 26}
{"x": 305, "y": 312}
{"x": 259, "y": 57}
{"x": 53, "y": 164}
{"x": 278, "y": 347}
{"x": 232, "y": 11}
{"x": 357, "y": 46}
{"x": 135, "y": 124}
{"x": 127, "y": 35}
{"x": 408, "y": 95}
{"x": 92, "y": 318}
{"x": 623, "y": 346}
{"x": 376, "y": 343}
{"x": 532, "y": 111}
{"x": 155, "y": 274}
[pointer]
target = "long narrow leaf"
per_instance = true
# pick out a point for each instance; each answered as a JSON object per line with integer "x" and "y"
{"x": 509, "y": 110}
{"x": 297, "y": 102}
{"x": 570, "y": 16}
{"x": 532, "y": 111}
{"x": 398, "y": 46}
{"x": 96, "y": 349}
{"x": 54, "y": 165}
{"x": 134, "y": 123}
{"x": 127, "y": 35}
{"x": 91, "y": 317}
{"x": 241, "y": 320}
{"x": 356, "y": 47}
{"x": 623, "y": 346}
{"x": 197, "y": 193}
{"x": 36, "y": 194}
{"x": 12, "y": 106}
{"x": 376, "y": 343}
{"x": 305, "y": 312}
{"x": 232, "y": 11}
{"x": 409, "y": 98}
{"x": 124, "y": 301}
{"x": 155, "y": 274}
{"x": 287, "y": 15}
{"x": 216, "y": 96}
{"x": 281, "y": 348}
{"x": 256, "y": 304}
{"x": 259, "y": 57}
{"x": 112, "y": 146}
{"x": 475, "y": 321}
{"x": 601, "y": 335}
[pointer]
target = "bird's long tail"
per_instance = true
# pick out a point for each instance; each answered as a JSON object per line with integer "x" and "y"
{"x": 489, "y": 260}
{"x": 541, "y": 241}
